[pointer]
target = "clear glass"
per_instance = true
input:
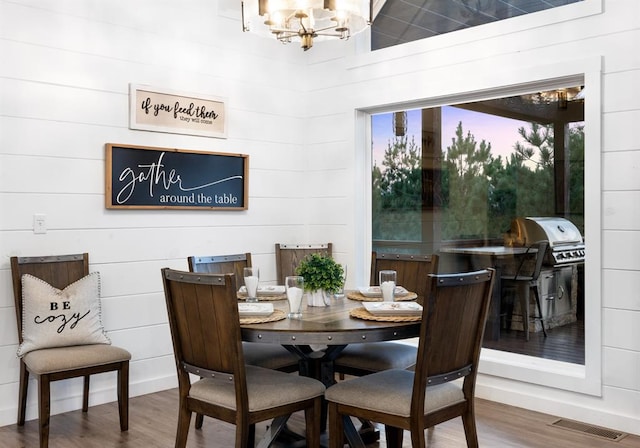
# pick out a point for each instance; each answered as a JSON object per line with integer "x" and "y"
{"x": 339, "y": 294}
{"x": 457, "y": 175}
{"x": 388, "y": 285}
{"x": 251, "y": 280}
{"x": 294, "y": 285}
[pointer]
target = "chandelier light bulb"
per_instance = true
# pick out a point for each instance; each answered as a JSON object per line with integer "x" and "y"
{"x": 306, "y": 20}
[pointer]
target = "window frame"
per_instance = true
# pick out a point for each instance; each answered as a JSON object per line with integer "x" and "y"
{"x": 585, "y": 379}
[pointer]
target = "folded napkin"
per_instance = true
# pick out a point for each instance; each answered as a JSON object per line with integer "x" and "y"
{"x": 375, "y": 291}
{"x": 255, "y": 309}
{"x": 268, "y": 290}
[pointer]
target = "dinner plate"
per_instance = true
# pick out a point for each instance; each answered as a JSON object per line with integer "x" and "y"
{"x": 393, "y": 308}
{"x": 374, "y": 291}
{"x": 255, "y": 309}
{"x": 267, "y": 290}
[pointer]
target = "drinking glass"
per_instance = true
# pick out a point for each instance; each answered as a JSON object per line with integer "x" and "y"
{"x": 388, "y": 285}
{"x": 339, "y": 294}
{"x": 251, "y": 280}
{"x": 294, "y": 285}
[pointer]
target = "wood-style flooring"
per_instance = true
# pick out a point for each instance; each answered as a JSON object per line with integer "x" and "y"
{"x": 153, "y": 420}
{"x": 563, "y": 343}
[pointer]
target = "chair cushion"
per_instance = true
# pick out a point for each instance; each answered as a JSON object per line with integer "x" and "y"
{"x": 389, "y": 392}
{"x": 377, "y": 356}
{"x": 269, "y": 356}
{"x": 61, "y": 318}
{"x": 266, "y": 388}
{"x": 69, "y": 358}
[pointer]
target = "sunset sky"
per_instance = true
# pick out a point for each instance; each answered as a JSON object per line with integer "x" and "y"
{"x": 502, "y": 133}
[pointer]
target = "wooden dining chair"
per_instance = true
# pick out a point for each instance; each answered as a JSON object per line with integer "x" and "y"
{"x": 205, "y": 330}
{"x": 519, "y": 278}
{"x": 271, "y": 356}
{"x": 288, "y": 256}
{"x": 55, "y": 363}
{"x": 442, "y": 386}
{"x": 363, "y": 359}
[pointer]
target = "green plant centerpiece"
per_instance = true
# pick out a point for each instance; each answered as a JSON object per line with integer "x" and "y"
{"x": 322, "y": 277}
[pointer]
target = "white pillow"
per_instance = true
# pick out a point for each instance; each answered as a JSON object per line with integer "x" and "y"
{"x": 60, "y": 318}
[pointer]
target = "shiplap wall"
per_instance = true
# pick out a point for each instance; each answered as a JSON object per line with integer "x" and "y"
{"x": 64, "y": 75}
{"x": 64, "y": 94}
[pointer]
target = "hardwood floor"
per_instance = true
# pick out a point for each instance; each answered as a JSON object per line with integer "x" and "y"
{"x": 153, "y": 420}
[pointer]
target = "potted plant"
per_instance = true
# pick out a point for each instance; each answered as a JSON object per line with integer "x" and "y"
{"x": 322, "y": 277}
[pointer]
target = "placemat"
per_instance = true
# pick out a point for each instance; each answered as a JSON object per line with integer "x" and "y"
{"x": 276, "y": 315}
{"x": 355, "y": 295}
{"x": 243, "y": 296}
{"x": 362, "y": 313}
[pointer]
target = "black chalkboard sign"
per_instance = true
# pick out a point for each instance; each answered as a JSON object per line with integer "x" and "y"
{"x": 146, "y": 177}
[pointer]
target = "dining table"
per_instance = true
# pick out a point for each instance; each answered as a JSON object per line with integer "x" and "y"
{"x": 318, "y": 337}
{"x": 481, "y": 257}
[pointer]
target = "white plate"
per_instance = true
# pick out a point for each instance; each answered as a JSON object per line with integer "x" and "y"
{"x": 374, "y": 291}
{"x": 268, "y": 290}
{"x": 393, "y": 308}
{"x": 255, "y": 309}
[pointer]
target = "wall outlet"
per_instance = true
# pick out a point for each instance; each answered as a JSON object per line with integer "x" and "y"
{"x": 39, "y": 223}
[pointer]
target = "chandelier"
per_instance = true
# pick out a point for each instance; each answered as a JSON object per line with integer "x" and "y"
{"x": 307, "y": 20}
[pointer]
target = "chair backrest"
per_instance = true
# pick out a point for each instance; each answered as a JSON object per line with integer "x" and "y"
{"x": 528, "y": 265}
{"x": 453, "y": 322}
{"x": 57, "y": 270}
{"x": 221, "y": 264}
{"x": 205, "y": 327}
{"x": 412, "y": 270}
{"x": 288, "y": 256}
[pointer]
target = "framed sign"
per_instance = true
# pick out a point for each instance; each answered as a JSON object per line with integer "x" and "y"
{"x": 143, "y": 177}
{"x": 163, "y": 110}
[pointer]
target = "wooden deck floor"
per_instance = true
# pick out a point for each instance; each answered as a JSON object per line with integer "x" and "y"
{"x": 153, "y": 420}
{"x": 563, "y": 343}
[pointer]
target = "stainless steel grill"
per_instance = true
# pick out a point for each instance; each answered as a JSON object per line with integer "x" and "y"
{"x": 566, "y": 245}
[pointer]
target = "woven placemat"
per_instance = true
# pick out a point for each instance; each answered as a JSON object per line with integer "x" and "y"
{"x": 355, "y": 295}
{"x": 276, "y": 315}
{"x": 362, "y": 313}
{"x": 242, "y": 296}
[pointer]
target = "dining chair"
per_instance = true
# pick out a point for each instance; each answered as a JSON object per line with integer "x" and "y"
{"x": 49, "y": 359}
{"x": 288, "y": 256}
{"x": 205, "y": 330}
{"x": 363, "y": 359}
{"x": 443, "y": 384}
{"x": 518, "y": 279}
{"x": 271, "y": 356}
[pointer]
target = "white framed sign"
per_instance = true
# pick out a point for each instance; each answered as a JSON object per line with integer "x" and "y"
{"x": 163, "y": 110}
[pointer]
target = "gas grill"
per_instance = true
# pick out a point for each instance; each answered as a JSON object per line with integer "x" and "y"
{"x": 566, "y": 246}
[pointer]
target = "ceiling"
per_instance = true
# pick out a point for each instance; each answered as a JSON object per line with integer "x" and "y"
{"x": 401, "y": 21}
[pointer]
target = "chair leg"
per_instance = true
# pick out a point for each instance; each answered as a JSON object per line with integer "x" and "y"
{"x": 336, "y": 427}
{"x": 523, "y": 295}
{"x": 393, "y": 436}
{"x": 22, "y": 393}
{"x": 199, "y": 421}
{"x": 44, "y": 409}
{"x": 244, "y": 437}
{"x": 534, "y": 288}
{"x": 184, "y": 418}
{"x": 123, "y": 395}
{"x": 312, "y": 420}
{"x": 470, "y": 430}
{"x": 85, "y": 393}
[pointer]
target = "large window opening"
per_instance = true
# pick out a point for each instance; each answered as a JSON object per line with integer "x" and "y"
{"x": 459, "y": 175}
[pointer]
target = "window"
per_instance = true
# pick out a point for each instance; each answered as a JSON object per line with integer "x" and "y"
{"x": 458, "y": 175}
{"x": 399, "y": 22}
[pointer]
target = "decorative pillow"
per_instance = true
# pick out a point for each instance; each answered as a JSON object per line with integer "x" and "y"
{"x": 60, "y": 318}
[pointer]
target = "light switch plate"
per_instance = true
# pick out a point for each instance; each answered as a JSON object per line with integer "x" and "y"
{"x": 39, "y": 223}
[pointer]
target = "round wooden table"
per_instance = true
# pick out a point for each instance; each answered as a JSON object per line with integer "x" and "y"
{"x": 331, "y": 326}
